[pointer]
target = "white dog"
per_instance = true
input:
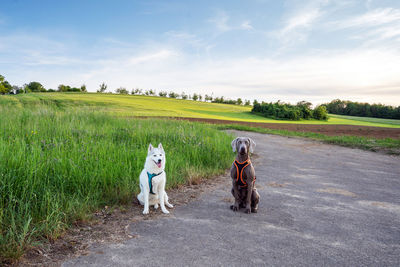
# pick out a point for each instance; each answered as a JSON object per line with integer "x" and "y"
{"x": 152, "y": 181}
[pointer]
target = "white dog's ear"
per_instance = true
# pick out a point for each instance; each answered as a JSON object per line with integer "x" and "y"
{"x": 252, "y": 145}
{"x": 150, "y": 149}
{"x": 160, "y": 147}
{"x": 233, "y": 144}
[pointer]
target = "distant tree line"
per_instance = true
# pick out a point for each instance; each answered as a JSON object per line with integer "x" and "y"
{"x": 6, "y": 88}
{"x": 350, "y": 108}
{"x": 171, "y": 94}
{"x": 285, "y": 111}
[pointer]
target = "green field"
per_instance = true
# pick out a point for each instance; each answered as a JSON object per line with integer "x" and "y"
{"x": 128, "y": 105}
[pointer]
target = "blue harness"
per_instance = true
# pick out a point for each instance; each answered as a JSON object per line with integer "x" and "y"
{"x": 151, "y": 176}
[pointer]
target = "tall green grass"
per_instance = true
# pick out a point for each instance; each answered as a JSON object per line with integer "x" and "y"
{"x": 56, "y": 165}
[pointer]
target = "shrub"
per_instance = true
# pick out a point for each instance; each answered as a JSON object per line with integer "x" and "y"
{"x": 320, "y": 113}
{"x": 287, "y": 111}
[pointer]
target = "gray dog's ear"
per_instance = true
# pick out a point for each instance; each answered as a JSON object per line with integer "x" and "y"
{"x": 233, "y": 144}
{"x": 252, "y": 145}
{"x": 160, "y": 147}
{"x": 150, "y": 149}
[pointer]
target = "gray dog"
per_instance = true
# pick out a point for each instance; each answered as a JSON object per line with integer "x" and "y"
{"x": 243, "y": 176}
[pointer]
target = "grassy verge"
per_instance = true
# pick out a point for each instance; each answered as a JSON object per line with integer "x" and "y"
{"x": 387, "y": 145}
{"x": 57, "y": 166}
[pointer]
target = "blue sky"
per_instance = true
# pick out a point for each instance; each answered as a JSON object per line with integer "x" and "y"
{"x": 314, "y": 50}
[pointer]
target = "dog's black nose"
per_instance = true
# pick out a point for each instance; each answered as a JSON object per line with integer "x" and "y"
{"x": 159, "y": 161}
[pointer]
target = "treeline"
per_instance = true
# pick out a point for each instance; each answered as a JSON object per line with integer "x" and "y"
{"x": 171, "y": 94}
{"x": 6, "y": 88}
{"x": 285, "y": 111}
{"x": 345, "y": 107}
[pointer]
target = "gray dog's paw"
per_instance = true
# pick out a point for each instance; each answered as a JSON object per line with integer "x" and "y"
{"x": 234, "y": 208}
{"x": 248, "y": 211}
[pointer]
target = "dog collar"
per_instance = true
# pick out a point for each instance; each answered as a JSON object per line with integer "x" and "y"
{"x": 151, "y": 176}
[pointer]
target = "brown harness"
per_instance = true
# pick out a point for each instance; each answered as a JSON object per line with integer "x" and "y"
{"x": 240, "y": 166}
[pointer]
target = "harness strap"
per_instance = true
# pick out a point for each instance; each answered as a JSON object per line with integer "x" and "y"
{"x": 151, "y": 176}
{"x": 240, "y": 166}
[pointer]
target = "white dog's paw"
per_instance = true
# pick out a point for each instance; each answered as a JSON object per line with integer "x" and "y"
{"x": 156, "y": 206}
{"x": 169, "y": 205}
{"x": 165, "y": 211}
{"x": 145, "y": 212}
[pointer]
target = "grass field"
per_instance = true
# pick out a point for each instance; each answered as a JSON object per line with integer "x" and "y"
{"x": 386, "y": 122}
{"x": 58, "y": 165}
{"x": 128, "y": 105}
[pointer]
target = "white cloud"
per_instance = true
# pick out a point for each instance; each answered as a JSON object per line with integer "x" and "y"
{"x": 301, "y": 20}
{"x": 297, "y": 27}
{"x": 372, "y": 18}
{"x": 159, "y": 55}
{"x": 374, "y": 26}
{"x": 223, "y": 23}
{"x": 246, "y": 25}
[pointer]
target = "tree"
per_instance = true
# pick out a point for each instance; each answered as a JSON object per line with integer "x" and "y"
{"x": 320, "y": 113}
{"x": 195, "y": 97}
{"x": 137, "y": 91}
{"x": 5, "y": 86}
{"x": 122, "y": 91}
{"x": 35, "y": 87}
{"x": 172, "y": 95}
{"x": 239, "y": 101}
{"x": 103, "y": 88}
{"x": 200, "y": 97}
{"x": 247, "y": 103}
{"x": 184, "y": 96}
{"x": 163, "y": 93}
{"x": 64, "y": 88}
{"x": 83, "y": 88}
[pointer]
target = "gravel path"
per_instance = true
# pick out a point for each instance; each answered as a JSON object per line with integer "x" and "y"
{"x": 321, "y": 205}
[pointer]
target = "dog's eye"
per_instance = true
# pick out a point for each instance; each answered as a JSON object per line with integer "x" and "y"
{"x": 160, "y": 155}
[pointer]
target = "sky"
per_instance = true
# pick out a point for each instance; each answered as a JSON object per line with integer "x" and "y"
{"x": 269, "y": 50}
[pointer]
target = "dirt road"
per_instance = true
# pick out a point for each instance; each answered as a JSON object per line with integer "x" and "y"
{"x": 321, "y": 205}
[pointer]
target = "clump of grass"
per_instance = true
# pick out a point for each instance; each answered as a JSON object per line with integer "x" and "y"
{"x": 387, "y": 145}
{"x": 58, "y": 165}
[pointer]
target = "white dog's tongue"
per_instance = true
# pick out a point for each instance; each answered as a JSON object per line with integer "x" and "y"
{"x": 159, "y": 164}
